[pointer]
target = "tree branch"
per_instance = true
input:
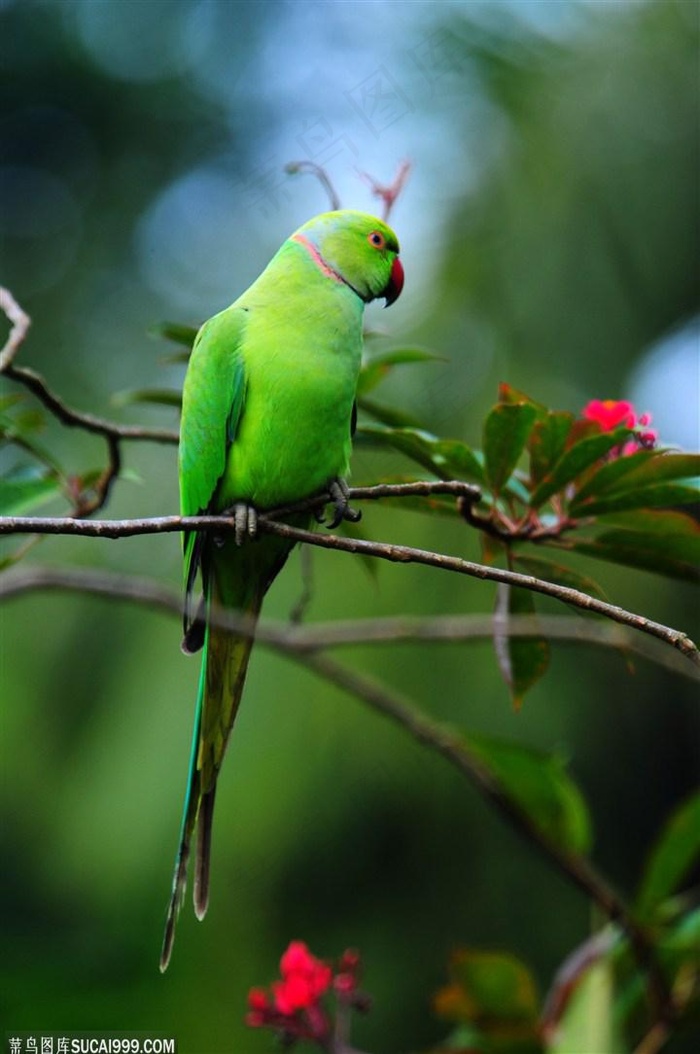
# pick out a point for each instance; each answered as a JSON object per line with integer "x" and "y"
{"x": 36, "y": 384}
{"x": 446, "y": 629}
{"x": 378, "y": 550}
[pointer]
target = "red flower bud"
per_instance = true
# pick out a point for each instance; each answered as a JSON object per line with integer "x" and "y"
{"x": 257, "y": 999}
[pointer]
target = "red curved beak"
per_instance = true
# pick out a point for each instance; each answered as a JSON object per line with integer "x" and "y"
{"x": 395, "y": 284}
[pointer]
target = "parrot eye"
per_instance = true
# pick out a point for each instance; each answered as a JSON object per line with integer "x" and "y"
{"x": 377, "y": 239}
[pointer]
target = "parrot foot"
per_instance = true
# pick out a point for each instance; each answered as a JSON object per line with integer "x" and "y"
{"x": 245, "y": 521}
{"x": 340, "y": 499}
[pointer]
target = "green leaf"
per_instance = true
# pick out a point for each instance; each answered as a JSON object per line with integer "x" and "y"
{"x": 445, "y": 458}
{"x": 662, "y": 494}
{"x": 375, "y": 369}
{"x": 521, "y": 660}
{"x": 575, "y": 460}
{"x": 13, "y": 431}
{"x": 662, "y": 466}
{"x": 634, "y": 474}
{"x": 386, "y": 415}
{"x": 668, "y": 543}
{"x": 176, "y": 332}
{"x": 509, "y": 395}
{"x": 675, "y": 852}
{"x": 611, "y": 473}
{"x": 459, "y": 461}
{"x": 156, "y": 396}
{"x": 684, "y": 934}
{"x": 653, "y": 521}
{"x": 496, "y": 994}
{"x": 547, "y": 442}
{"x": 506, "y": 430}
{"x": 540, "y": 786}
{"x": 22, "y": 491}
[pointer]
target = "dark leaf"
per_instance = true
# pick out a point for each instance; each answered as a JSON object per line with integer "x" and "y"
{"x": 506, "y": 431}
{"x": 575, "y": 460}
{"x": 672, "y": 857}
{"x": 649, "y": 497}
{"x": 521, "y": 660}
{"x": 540, "y": 786}
{"x": 611, "y": 473}
{"x": 547, "y": 442}
{"x": 491, "y": 990}
{"x": 663, "y": 541}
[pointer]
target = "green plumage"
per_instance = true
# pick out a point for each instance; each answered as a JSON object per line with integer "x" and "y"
{"x": 266, "y": 420}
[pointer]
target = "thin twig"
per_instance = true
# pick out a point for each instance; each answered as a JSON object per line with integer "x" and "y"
{"x": 379, "y": 550}
{"x": 72, "y": 418}
{"x": 292, "y": 168}
{"x": 389, "y": 193}
{"x": 110, "y": 432}
{"x": 20, "y": 324}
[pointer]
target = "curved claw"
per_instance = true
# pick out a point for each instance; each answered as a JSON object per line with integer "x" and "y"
{"x": 340, "y": 498}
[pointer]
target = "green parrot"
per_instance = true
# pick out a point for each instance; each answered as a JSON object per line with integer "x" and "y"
{"x": 267, "y": 419}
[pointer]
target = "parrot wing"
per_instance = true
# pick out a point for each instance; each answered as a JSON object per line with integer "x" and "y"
{"x": 213, "y": 402}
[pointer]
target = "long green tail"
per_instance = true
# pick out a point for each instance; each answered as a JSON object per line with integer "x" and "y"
{"x": 224, "y": 666}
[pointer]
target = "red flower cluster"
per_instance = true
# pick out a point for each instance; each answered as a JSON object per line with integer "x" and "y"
{"x": 611, "y": 414}
{"x": 293, "y": 1006}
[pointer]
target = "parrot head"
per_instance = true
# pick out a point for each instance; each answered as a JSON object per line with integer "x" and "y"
{"x": 357, "y": 248}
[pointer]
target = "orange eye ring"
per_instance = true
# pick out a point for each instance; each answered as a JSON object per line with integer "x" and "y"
{"x": 376, "y": 239}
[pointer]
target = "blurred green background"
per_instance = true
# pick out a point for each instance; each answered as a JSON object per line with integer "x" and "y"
{"x": 550, "y": 239}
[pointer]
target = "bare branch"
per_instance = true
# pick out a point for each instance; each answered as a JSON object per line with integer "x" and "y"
{"x": 379, "y": 550}
{"x": 36, "y": 384}
{"x": 20, "y": 324}
{"x": 266, "y": 521}
{"x": 293, "y": 168}
{"x": 387, "y": 194}
{"x": 110, "y": 432}
{"x": 446, "y": 629}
